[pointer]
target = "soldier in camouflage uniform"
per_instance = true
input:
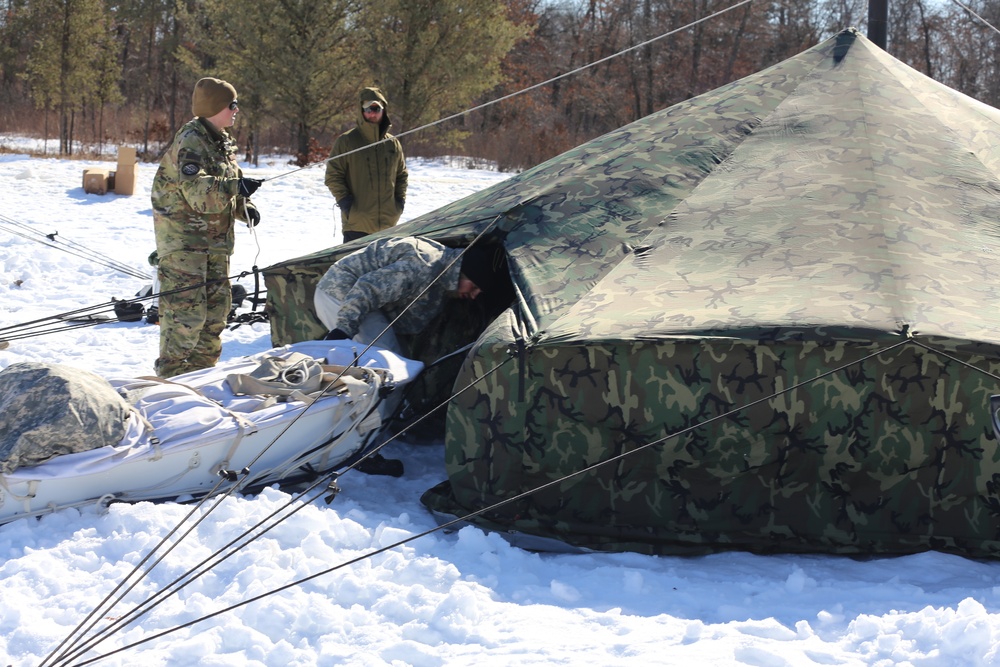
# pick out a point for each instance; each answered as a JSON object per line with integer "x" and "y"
{"x": 198, "y": 192}
{"x": 369, "y": 185}
{"x": 407, "y": 278}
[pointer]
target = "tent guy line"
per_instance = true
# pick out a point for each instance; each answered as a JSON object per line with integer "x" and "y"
{"x": 54, "y": 240}
{"x": 199, "y": 570}
{"x": 245, "y": 472}
{"x": 104, "y": 607}
{"x": 517, "y": 93}
{"x": 485, "y": 510}
{"x": 88, "y": 316}
{"x": 984, "y": 21}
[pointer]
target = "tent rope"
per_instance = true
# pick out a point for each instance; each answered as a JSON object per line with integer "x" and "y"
{"x": 106, "y": 604}
{"x": 530, "y": 88}
{"x": 547, "y": 485}
{"x": 87, "y": 316}
{"x": 54, "y": 240}
{"x": 459, "y": 520}
{"x": 984, "y": 21}
{"x": 322, "y": 482}
{"x": 235, "y": 545}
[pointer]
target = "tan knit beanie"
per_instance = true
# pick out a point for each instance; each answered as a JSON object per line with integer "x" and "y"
{"x": 211, "y": 96}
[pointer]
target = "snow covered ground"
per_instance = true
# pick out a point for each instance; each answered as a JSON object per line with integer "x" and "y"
{"x": 322, "y": 588}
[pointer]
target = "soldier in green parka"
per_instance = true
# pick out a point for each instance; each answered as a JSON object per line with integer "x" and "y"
{"x": 369, "y": 184}
{"x": 198, "y": 192}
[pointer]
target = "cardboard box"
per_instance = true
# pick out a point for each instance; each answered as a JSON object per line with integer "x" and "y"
{"x": 124, "y": 183}
{"x": 95, "y": 181}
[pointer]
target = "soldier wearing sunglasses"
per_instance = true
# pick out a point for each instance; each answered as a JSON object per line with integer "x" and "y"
{"x": 198, "y": 193}
{"x": 369, "y": 181}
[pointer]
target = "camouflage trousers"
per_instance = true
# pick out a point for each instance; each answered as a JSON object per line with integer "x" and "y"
{"x": 192, "y": 320}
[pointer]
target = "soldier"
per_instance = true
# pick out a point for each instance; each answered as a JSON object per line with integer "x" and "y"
{"x": 198, "y": 192}
{"x": 406, "y": 278}
{"x": 369, "y": 185}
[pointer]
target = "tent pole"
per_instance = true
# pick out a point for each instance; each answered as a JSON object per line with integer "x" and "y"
{"x": 878, "y": 13}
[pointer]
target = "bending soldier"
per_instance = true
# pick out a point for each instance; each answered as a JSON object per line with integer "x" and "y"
{"x": 405, "y": 280}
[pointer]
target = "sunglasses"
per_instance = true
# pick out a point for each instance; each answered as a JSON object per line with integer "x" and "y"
{"x": 233, "y": 105}
{"x": 373, "y": 109}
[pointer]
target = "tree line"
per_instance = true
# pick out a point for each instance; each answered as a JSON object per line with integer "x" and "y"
{"x": 91, "y": 72}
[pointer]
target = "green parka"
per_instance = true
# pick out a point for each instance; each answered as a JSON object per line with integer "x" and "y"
{"x": 376, "y": 177}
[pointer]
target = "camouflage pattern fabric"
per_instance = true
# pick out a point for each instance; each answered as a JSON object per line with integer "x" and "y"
{"x": 47, "y": 410}
{"x": 194, "y": 208}
{"x": 192, "y": 320}
{"x": 375, "y": 177}
{"x": 291, "y": 285}
{"x": 390, "y": 274}
{"x": 290, "y": 307}
{"x": 892, "y": 454}
{"x": 707, "y": 258}
{"x": 194, "y": 192}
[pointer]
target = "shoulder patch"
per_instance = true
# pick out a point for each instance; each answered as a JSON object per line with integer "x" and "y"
{"x": 190, "y": 169}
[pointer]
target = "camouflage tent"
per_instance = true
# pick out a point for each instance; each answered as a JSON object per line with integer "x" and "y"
{"x": 764, "y": 318}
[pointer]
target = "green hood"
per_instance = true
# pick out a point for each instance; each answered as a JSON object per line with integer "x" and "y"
{"x": 370, "y": 131}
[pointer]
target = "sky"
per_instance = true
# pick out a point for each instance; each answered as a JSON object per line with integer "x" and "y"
{"x": 366, "y": 580}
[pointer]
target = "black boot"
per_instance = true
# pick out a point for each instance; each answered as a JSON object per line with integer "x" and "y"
{"x": 379, "y": 465}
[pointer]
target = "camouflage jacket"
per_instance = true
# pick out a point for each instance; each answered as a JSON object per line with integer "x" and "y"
{"x": 375, "y": 177}
{"x": 194, "y": 192}
{"x": 387, "y": 275}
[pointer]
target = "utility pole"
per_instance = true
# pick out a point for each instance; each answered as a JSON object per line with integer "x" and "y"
{"x": 878, "y": 17}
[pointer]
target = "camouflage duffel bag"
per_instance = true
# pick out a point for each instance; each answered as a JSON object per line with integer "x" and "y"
{"x": 47, "y": 410}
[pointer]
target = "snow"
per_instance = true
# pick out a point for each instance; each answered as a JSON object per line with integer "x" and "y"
{"x": 365, "y": 579}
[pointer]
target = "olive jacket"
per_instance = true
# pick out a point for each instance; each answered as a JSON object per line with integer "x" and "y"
{"x": 369, "y": 185}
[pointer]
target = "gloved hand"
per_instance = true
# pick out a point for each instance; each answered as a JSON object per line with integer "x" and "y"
{"x": 336, "y": 334}
{"x": 253, "y": 216}
{"x": 248, "y": 186}
{"x": 345, "y": 203}
{"x": 400, "y": 203}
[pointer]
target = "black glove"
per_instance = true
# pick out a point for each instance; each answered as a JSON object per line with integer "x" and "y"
{"x": 248, "y": 186}
{"x": 345, "y": 203}
{"x": 400, "y": 203}
{"x": 253, "y": 216}
{"x": 336, "y": 334}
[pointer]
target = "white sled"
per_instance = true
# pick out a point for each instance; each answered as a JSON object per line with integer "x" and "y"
{"x": 194, "y": 430}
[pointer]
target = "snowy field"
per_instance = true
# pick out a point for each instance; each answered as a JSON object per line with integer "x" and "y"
{"x": 321, "y": 588}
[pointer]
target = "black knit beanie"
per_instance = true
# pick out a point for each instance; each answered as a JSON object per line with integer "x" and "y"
{"x": 487, "y": 267}
{"x": 211, "y": 96}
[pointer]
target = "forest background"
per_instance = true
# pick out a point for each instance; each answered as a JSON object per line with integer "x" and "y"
{"x": 89, "y": 74}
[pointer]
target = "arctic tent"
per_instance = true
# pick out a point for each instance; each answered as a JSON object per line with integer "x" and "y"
{"x": 764, "y": 318}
